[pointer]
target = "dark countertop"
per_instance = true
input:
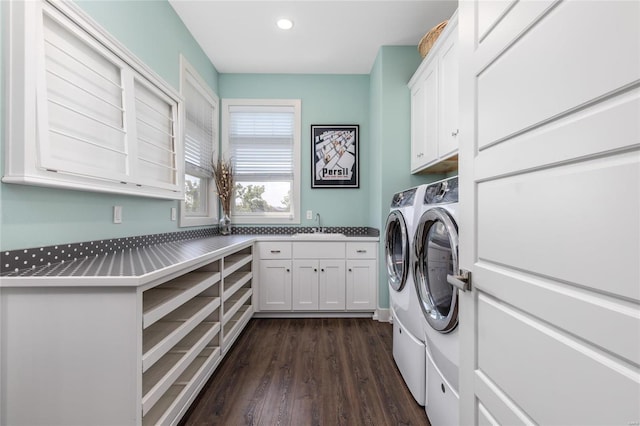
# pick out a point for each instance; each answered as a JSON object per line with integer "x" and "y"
{"x": 141, "y": 265}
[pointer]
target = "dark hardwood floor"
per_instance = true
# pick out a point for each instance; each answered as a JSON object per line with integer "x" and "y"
{"x": 320, "y": 371}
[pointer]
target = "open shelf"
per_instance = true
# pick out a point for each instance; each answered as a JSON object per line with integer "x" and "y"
{"x": 235, "y": 261}
{"x": 234, "y": 282}
{"x": 235, "y": 302}
{"x": 159, "y": 338}
{"x": 170, "y": 404}
{"x": 235, "y": 325}
{"x": 157, "y": 380}
{"x": 159, "y": 301}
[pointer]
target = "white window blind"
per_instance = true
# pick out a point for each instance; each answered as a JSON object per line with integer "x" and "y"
{"x": 262, "y": 138}
{"x": 83, "y": 112}
{"x": 199, "y": 129}
{"x": 262, "y": 141}
{"x": 155, "y": 132}
{"x": 84, "y": 104}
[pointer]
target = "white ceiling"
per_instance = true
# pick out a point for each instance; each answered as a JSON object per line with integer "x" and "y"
{"x": 328, "y": 37}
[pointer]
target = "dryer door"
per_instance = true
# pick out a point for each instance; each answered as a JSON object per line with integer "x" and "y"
{"x": 436, "y": 251}
{"x": 396, "y": 247}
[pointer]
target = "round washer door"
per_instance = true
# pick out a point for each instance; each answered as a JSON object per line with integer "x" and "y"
{"x": 396, "y": 247}
{"x": 436, "y": 255}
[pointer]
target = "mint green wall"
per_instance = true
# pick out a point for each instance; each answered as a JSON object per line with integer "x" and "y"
{"x": 391, "y": 136}
{"x": 326, "y": 99}
{"x": 33, "y": 216}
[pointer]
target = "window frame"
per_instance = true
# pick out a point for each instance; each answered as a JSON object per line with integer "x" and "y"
{"x": 212, "y": 216}
{"x": 266, "y": 218}
{"x": 27, "y": 153}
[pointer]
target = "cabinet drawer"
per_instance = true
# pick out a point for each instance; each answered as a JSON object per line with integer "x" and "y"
{"x": 357, "y": 250}
{"x": 316, "y": 250}
{"x": 274, "y": 250}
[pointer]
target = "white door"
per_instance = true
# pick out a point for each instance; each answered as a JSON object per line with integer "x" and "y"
{"x": 550, "y": 212}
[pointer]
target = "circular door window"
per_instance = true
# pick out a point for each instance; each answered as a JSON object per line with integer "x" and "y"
{"x": 436, "y": 256}
{"x": 396, "y": 248}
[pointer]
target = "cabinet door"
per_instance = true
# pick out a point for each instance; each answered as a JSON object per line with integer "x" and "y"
{"x": 431, "y": 111}
{"x": 417, "y": 126}
{"x": 448, "y": 141}
{"x": 331, "y": 285}
{"x": 305, "y": 285}
{"x": 275, "y": 285}
{"x": 361, "y": 284}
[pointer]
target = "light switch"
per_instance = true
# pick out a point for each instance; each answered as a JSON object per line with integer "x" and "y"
{"x": 309, "y": 214}
{"x": 173, "y": 213}
{"x": 117, "y": 214}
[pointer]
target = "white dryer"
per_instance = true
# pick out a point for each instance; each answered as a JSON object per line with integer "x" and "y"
{"x": 436, "y": 256}
{"x": 408, "y": 335}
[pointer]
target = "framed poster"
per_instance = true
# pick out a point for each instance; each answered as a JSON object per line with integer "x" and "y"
{"x": 334, "y": 156}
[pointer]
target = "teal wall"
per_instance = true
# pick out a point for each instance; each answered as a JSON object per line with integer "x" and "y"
{"x": 326, "y": 99}
{"x": 390, "y": 159}
{"x": 33, "y": 216}
{"x": 378, "y": 102}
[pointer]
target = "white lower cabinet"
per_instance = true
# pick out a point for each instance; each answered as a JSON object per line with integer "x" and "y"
{"x": 275, "y": 285}
{"x": 317, "y": 276}
{"x": 361, "y": 285}
{"x": 189, "y": 323}
{"x": 75, "y": 353}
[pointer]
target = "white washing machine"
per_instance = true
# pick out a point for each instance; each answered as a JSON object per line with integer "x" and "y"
{"x": 435, "y": 257}
{"x": 408, "y": 335}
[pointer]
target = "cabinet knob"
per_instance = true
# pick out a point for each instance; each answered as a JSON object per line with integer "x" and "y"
{"x": 322, "y": 269}
{"x": 349, "y": 269}
{"x": 287, "y": 269}
{"x": 455, "y": 133}
{"x": 315, "y": 270}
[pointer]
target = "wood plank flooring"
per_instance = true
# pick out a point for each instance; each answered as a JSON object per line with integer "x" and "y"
{"x": 311, "y": 371}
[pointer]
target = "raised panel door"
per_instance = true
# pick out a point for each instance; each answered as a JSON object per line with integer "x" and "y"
{"x": 305, "y": 285}
{"x": 275, "y": 285}
{"x": 361, "y": 284}
{"x": 332, "y": 285}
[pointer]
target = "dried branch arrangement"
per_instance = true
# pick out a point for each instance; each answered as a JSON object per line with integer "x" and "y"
{"x": 223, "y": 176}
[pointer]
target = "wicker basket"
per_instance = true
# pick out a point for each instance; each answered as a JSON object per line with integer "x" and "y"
{"x": 429, "y": 39}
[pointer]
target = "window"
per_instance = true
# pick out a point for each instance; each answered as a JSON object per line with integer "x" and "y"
{"x": 262, "y": 139}
{"x": 200, "y": 206}
{"x": 83, "y": 112}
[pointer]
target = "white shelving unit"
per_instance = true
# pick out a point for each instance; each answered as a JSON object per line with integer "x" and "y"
{"x": 188, "y": 325}
{"x": 123, "y": 354}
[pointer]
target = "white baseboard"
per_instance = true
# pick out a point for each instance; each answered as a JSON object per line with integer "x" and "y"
{"x": 382, "y": 315}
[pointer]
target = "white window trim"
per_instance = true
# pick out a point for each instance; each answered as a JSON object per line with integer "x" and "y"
{"x": 213, "y": 205}
{"x": 23, "y": 31}
{"x": 259, "y": 219}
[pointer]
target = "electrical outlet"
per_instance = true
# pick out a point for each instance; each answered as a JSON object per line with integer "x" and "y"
{"x": 309, "y": 214}
{"x": 117, "y": 214}
{"x": 174, "y": 213}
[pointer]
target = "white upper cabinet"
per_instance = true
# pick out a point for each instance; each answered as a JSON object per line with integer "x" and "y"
{"x": 83, "y": 112}
{"x": 434, "y": 106}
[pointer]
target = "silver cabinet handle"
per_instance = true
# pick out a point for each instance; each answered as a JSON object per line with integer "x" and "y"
{"x": 461, "y": 281}
{"x": 455, "y": 133}
{"x": 275, "y": 251}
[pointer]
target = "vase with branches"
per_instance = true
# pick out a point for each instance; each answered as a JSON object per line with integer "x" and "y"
{"x": 224, "y": 179}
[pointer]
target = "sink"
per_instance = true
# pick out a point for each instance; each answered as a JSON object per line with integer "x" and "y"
{"x": 318, "y": 236}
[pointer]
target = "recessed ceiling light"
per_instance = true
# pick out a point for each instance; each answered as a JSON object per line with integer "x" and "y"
{"x": 285, "y": 24}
